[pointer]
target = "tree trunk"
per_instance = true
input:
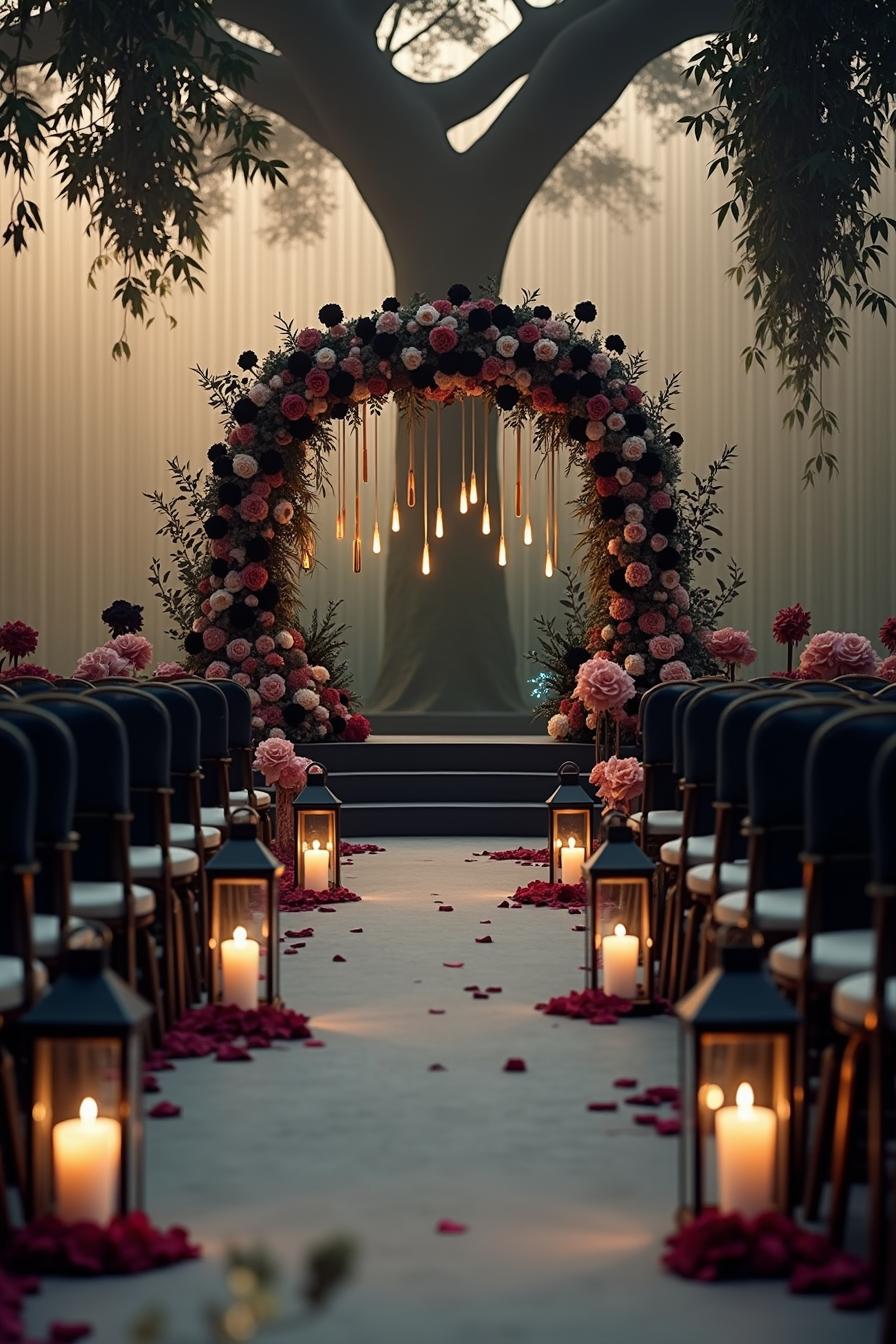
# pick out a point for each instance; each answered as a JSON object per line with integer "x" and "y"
{"x": 448, "y": 647}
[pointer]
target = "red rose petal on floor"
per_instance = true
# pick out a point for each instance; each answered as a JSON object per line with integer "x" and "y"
{"x": 670, "y": 1126}
{"x": 446, "y": 1227}
{"x": 150, "y": 1084}
{"x": 480, "y": 995}
{"x": 339, "y": 957}
{"x": 579, "y": 928}
{"x": 603, "y": 1106}
{"x": 516, "y": 907}
{"x": 469, "y": 989}
{"x": 641, "y": 1099}
{"x": 663, "y": 1093}
{"x": 493, "y": 989}
{"x": 445, "y": 909}
{"x": 486, "y": 939}
{"x": 436, "y": 1012}
{"x": 314, "y": 1044}
{"x": 603, "y": 1020}
{"x": 356, "y": 930}
{"x": 485, "y": 921}
{"x": 515, "y": 1065}
{"x": 232, "y": 1054}
{"x": 299, "y": 933}
{"x": 325, "y": 910}
{"x": 453, "y": 965}
{"x": 625, "y": 1082}
{"x": 503, "y": 905}
{"x": 65, "y": 1332}
{"x": 437, "y": 1068}
{"x": 296, "y": 946}
{"x": 573, "y": 910}
{"x": 164, "y": 1110}
{"x": 645, "y": 1119}
{"x": 290, "y": 952}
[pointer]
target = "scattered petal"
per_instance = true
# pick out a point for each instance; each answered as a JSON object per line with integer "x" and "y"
{"x": 164, "y": 1110}
{"x": 646, "y": 1118}
{"x": 446, "y": 1227}
{"x": 437, "y": 1068}
{"x": 493, "y": 989}
{"x": 150, "y": 1084}
{"x": 503, "y": 905}
{"x": 66, "y": 1332}
{"x": 515, "y": 1065}
{"x": 339, "y": 957}
{"x": 670, "y": 1126}
{"x": 480, "y": 995}
{"x": 485, "y": 921}
{"x": 603, "y": 1106}
{"x": 487, "y": 938}
{"x": 436, "y": 1012}
{"x": 356, "y": 930}
{"x": 453, "y": 965}
{"x": 314, "y": 1044}
{"x": 299, "y": 933}
{"x": 445, "y": 909}
{"x": 232, "y": 1054}
{"x": 625, "y": 1082}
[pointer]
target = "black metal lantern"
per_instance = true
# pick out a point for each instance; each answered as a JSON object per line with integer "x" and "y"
{"x": 737, "y": 1101}
{"x": 85, "y": 1130}
{"x": 244, "y": 916}
{"x": 570, "y": 813}
{"x": 619, "y": 937}
{"x": 317, "y": 833}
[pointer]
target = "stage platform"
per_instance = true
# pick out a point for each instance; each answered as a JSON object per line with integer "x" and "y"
{"x": 427, "y": 784}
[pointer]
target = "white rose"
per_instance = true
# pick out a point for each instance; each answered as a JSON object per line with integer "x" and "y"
{"x": 448, "y": 321}
{"x": 649, "y": 436}
{"x": 634, "y": 513}
{"x": 546, "y": 351}
{"x": 624, "y": 477}
{"x": 608, "y": 634}
{"x": 506, "y": 346}
{"x": 238, "y": 555}
{"x": 321, "y": 730}
{"x": 595, "y": 430}
{"x": 411, "y": 358}
{"x": 284, "y": 639}
{"x": 254, "y": 697}
{"x": 320, "y": 674}
{"x": 634, "y": 665}
{"x": 325, "y": 357}
{"x": 276, "y": 383}
{"x": 256, "y": 722}
{"x": 600, "y": 365}
{"x": 523, "y": 378}
{"x": 307, "y": 698}
{"x": 388, "y": 322}
{"x": 558, "y": 727}
{"x": 283, "y": 512}
{"x": 634, "y": 448}
{"x": 232, "y": 581}
{"x": 244, "y": 466}
{"x": 220, "y": 600}
{"x": 492, "y": 333}
{"x": 276, "y": 732}
{"x": 426, "y": 315}
{"x": 260, "y": 393}
{"x": 321, "y": 713}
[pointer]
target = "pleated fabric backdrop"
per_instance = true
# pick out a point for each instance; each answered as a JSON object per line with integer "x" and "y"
{"x": 82, "y": 437}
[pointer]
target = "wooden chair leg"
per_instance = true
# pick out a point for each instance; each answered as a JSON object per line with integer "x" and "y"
{"x": 818, "y": 1163}
{"x": 152, "y": 989}
{"x": 178, "y": 957}
{"x": 693, "y": 927}
{"x": 187, "y": 897}
{"x": 671, "y": 934}
{"x": 707, "y": 952}
{"x": 844, "y": 1130}
{"x": 12, "y": 1123}
{"x": 879, "y": 1093}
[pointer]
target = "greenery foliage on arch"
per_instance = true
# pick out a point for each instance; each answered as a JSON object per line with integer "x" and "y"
{"x": 588, "y": 411}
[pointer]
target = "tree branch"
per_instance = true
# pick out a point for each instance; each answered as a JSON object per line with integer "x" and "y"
{"x": 592, "y": 61}
{"x": 428, "y": 27}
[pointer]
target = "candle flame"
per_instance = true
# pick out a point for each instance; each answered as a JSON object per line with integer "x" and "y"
{"x": 463, "y": 497}
{"x": 396, "y": 518}
{"x": 713, "y": 1096}
{"x": 619, "y": 930}
{"x": 744, "y": 1097}
{"x": 571, "y": 842}
{"x": 88, "y": 1110}
{"x": 315, "y": 844}
{"x": 239, "y": 934}
{"x": 527, "y": 531}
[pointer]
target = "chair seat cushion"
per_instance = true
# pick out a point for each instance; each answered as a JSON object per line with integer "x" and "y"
{"x": 182, "y": 834}
{"x": 700, "y": 850}
{"x": 775, "y": 911}
{"x": 659, "y": 822}
{"x": 834, "y": 955}
{"x": 146, "y": 861}
{"x": 240, "y": 798}
{"x": 105, "y": 900}
{"x": 731, "y": 876}
{"x": 46, "y": 934}
{"x": 214, "y": 816}
{"x": 852, "y": 998}
{"x": 12, "y": 982}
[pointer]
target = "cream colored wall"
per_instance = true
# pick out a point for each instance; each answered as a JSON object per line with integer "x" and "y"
{"x": 83, "y": 437}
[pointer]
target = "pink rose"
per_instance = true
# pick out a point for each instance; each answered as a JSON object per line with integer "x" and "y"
{"x": 856, "y": 655}
{"x": 249, "y": 666}
{"x": 661, "y": 648}
{"x": 529, "y": 333}
{"x": 676, "y": 671}
{"x": 637, "y": 575}
{"x": 244, "y": 435}
{"x": 597, "y": 407}
{"x": 887, "y": 668}
{"x": 660, "y": 500}
{"x": 272, "y": 687}
{"x": 101, "y": 663}
{"x": 253, "y": 509}
{"x": 264, "y": 644}
{"x": 273, "y": 660}
{"x": 317, "y": 382}
{"x": 214, "y": 638}
{"x": 238, "y": 650}
{"x": 543, "y": 398}
{"x": 442, "y": 339}
{"x": 635, "y": 533}
{"x": 602, "y": 685}
{"x": 618, "y": 780}
{"x": 633, "y": 393}
{"x": 621, "y": 608}
{"x": 731, "y": 646}
{"x": 308, "y": 339}
{"x": 684, "y": 625}
{"x": 272, "y": 715}
{"x": 491, "y": 369}
{"x": 217, "y": 671}
{"x": 255, "y": 577}
{"x": 652, "y": 622}
{"x": 835, "y": 653}
{"x": 134, "y": 649}
{"x": 293, "y": 406}
{"x": 169, "y": 672}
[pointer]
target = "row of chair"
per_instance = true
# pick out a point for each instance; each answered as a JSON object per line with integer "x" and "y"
{"x": 769, "y": 805}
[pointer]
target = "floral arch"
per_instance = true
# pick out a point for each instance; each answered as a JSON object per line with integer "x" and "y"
{"x": 309, "y": 411}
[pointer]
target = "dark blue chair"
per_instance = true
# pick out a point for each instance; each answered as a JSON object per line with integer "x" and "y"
{"x": 56, "y": 765}
{"x": 28, "y": 685}
{"x": 214, "y": 719}
{"x": 6, "y": 692}
{"x": 660, "y": 814}
{"x": 240, "y": 744}
{"x": 887, "y": 692}
{"x": 827, "y": 688}
{"x": 862, "y": 682}
{"x": 73, "y": 684}
{"x": 153, "y": 859}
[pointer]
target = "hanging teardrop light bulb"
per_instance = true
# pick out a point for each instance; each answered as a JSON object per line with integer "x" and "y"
{"x": 486, "y": 520}
{"x": 548, "y": 565}
{"x": 425, "y": 565}
{"x": 463, "y": 497}
{"x": 474, "y": 493}
{"x": 502, "y": 552}
{"x": 396, "y": 517}
{"x": 440, "y": 526}
{"x": 377, "y": 544}
{"x": 527, "y": 531}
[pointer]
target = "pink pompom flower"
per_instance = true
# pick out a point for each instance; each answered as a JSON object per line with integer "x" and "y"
{"x": 602, "y": 685}
{"x": 675, "y": 671}
{"x": 618, "y": 780}
{"x": 730, "y": 646}
{"x": 637, "y": 575}
{"x": 98, "y": 664}
{"x": 134, "y": 649}
{"x": 272, "y": 687}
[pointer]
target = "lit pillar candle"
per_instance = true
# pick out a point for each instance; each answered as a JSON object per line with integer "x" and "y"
{"x": 620, "y": 953}
{"x": 86, "y": 1166}
{"x": 572, "y": 857}
{"x": 746, "y": 1139}
{"x": 239, "y": 970}
{"x": 317, "y": 867}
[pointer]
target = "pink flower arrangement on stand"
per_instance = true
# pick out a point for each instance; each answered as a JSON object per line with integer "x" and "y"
{"x": 733, "y": 648}
{"x": 281, "y": 767}
{"x": 837, "y": 653}
{"x": 790, "y": 627}
{"x": 604, "y": 688}
{"x": 619, "y": 780}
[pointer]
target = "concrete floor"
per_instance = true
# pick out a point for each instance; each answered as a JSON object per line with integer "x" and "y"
{"x": 566, "y": 1209}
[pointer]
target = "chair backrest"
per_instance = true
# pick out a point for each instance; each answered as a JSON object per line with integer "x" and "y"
{"x": 700, "y": 723}
{"x": 102, "y": 779}
{"x": 18, "y": 793}
{"x": 186, "y": 760}
{"x": 56, "y": 765}
{"x": 678, "y": 708}
{"x": 214, "y": 737}
{"x": 28, "y": 685}
{"x": 882, "y": 806}
{"x": 148, "y": 730}
{"x": 239, "y": 731}
{"x": 761, "y": 682}
{"x": 735, "y": 726}
{"x": 7, "y": 692}
{"x": 861, "y": 681}
{"x": 841, "y": 760}
{"x": 887, "y": 691}
{"x": 816, "y": 687}
{"x": 73, "y": 684}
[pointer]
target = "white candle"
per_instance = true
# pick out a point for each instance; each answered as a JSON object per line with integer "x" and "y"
{"x": 239, "y": 970}
{"x": 572, "y": 857}
{"x": 620, "y": 963}
{"x": 746, "y": 1139}
{"x": 86, "y": 1166}
{"x": 317, "y": 868}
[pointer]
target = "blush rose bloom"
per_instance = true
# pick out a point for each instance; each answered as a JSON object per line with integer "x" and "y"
{"x": 238, "y": 650}
{"x": 834, "y": 653}
{"x": 134, "y": 649}
{"x": 637, "y": 575}
{"x": 618, "y": 780}
{"x": 602, "y": 685}
{"x": 597, "y": 407}
{"x": 652, "y": 622}
{"x": 731, "y": 646}
{"x": 675, "y": 671}
{"x": 101, "y": 663}
{"x": 272, "y": 687}
{"x": 661, "y": 648}
{"x": 214, "y": 638}
{"x": 253, "y": 509}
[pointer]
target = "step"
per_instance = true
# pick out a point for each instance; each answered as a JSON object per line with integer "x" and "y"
{"x": 372, "y": 820}
{"x": 418, "y": 754}
{"x": 442, "y": 786}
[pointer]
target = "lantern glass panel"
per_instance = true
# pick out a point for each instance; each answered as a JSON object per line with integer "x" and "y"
{"x": 714, "y": 1068}
{"x": 569, "y": 823}
{"x": 69, "y": 1071}
{"x": 317, "y": 826}
{"x": 245, "y": 902}
{"x": 618, "y": 901}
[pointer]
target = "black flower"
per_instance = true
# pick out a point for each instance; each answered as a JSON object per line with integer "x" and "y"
{"x": 615, "y": 343}
{"x": 542, "y": 310}
{"x": 575, "y": 656}
{"x": 458, "y": 293}
{"x": 337, "y": 723}
{"x": 502, "y": 315}
{"x": 123, "y": 618}
{"x": 330, "y": 314}
{"x": 470, "y": 363}
{"x": 449, "y": 362}
{"x": 216, "y": 527}
{"x": 585, "y": 311}
{"x": 668, "y": 558}
{"x": 479, "y": 318}
{"x": 303, "y": 428}
{"x": 271, "y": 461}
{"x": 580, "y": 356}
{"x": 650, "y": 463}
{"x": 338, "y": 411}
{"x": 342, "y": 383}
{"x": 576, "y": 428}
{"x": 612, "y": 506}
{"x": 193, "y": 643}
{"x": 590, "y": 385}
{"x": 665, "y": 521}
{"x": 217, "y": 450}
{"x": 230, "y": 493}
{"x": 605, "y": 464}
{"x": 365, "y": 329}
{"x": 385, "y": 343}
{"x": 564, "y": 386}
{"x": 269, "y": 597}
{"x": 391, "y": 305}
{"x": 294, "y": 715}
{"x": 635, "y": 422}
{"x": 298, "y": 363}
{"x": 241, "y": 616}
{"x": 222, "y": 466}
{"x": 248, "y": 359}
{"x": 506, "y": 396}
{"x": 617, "y": 578}
{"x": 257, "y": 549}
{"x": 220, "y": 568}
{"x": 245, "y": 411}
{"x": 676, "y": 439}
{"x": 424, "y": 376}
{"x": 525, "y": 356}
